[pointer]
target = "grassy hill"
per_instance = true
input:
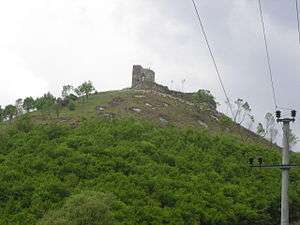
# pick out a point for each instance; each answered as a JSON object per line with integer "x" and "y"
{"x": 137, "y": 157}
{"x": 146, "y": 105}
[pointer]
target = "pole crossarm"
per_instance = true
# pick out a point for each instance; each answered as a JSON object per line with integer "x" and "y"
{"x": 286, "y": 120}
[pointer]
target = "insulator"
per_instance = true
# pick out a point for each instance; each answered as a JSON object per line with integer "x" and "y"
{"x": 293, "y": 113}
{"x": 278, "y": 114}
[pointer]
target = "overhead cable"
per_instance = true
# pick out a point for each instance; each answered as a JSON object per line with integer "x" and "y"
{"x": 298, "y": 19}
{"x": 212, "y": 56}
{"x": 267, "y": 54}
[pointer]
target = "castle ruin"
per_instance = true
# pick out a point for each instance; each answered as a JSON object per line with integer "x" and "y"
{"x": 142, "y": 78}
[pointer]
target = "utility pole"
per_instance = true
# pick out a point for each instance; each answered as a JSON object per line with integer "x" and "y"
{"x": 285, "y": 169}
{"x": 285, "y": 166}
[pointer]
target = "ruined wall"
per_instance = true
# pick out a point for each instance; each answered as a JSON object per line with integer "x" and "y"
{"x": 142, "y": 78}
{"x": 177, "y": 94}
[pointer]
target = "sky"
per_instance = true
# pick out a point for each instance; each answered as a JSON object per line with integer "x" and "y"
{"x": 45, "y": 44}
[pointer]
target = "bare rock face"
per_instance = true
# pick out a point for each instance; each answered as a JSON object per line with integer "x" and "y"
{"x": 137, "y": 110}
{"x": 163, "y": 120}
{"x": 202, "y": 124}
{"x": 99, "y": 109}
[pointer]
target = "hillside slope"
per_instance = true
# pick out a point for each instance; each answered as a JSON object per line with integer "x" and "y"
{"x": 148, "y": 105}
{"x": 131, "y": 172}
{"x": 137, "y": 157}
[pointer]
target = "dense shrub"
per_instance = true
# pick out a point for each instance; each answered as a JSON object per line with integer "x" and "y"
{"x": 71, "y": 106}
{"x": 87, "y": 208}
{"x": 149, "y": 175}
{"x": 204, "y": 98}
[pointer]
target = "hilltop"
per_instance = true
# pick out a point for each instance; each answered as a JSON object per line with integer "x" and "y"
{"x": 161, "y": 108}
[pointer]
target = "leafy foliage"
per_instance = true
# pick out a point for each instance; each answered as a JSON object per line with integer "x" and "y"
{"x": 60, "y": 174}
{"x": 1, "y": 114}
{"x": 88, "y": 208}
{"x": 45, "y": 102}
{"x": 28, "y": 104}
{"x": 85, "y": 89}
{"x": 10, "y": 112}
{"x": 204, "y": 98}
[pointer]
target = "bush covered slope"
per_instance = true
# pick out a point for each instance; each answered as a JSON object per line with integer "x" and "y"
{"x": 129, "y": 172}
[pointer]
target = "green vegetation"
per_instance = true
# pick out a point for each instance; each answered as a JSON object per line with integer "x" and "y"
{"x": 9, "y": 112}
{"x": 85, "y": 89}
{"x": 204, "y": 98}
{"x": 128, "y": 172}
{"x": 90, "y": 208}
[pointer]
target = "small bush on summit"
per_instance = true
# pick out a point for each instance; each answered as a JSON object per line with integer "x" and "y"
{"x": 204, "y": 98}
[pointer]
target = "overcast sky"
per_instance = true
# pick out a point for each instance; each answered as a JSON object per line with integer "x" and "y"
{"x": 45, "y": 44}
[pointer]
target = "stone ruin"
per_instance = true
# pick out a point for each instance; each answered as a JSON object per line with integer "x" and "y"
{"x": 142, "y": 78}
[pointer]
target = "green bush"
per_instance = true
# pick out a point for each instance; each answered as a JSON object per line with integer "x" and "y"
{"x": 226, "y": 121}
{"x": 204, "y": 98}
{"x": 88, "y": 208}
{"x": 71, "y": 106}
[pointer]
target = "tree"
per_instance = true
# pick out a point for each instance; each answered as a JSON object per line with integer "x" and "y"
{"x": 250, "y": 122}
{"x": 1, "y": 114}
{"x": 45, "y": 102}
{"x": 88, "y": 208}
{"x": 204, "y": 98}
{"x": 28, "y": 104}
{"x": 78, "y": 92}
{"x": 67, "y": 89}
{"x": 58, "y": 105}
{"x": 260, "y": 130}
{"x": 292, "y": 138}
{"x": 10, "y": 112}
{"x": 85, "y": 89}
{"x": 268, "y": 131}
{"x": 19, "y": 106}
{"x": 243, "y": 111}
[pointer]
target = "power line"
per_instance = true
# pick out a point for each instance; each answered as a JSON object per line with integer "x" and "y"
{"x": 298, "y": 19}
{"x": 212, "y": 55}
{"x": 267, "y": 53}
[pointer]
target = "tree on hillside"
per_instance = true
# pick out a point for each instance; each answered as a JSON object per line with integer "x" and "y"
{"x": 28, "y": 104}
{"x": 19, "y": 106}
{"x": 269, "y": 130}
{"x": 243, "y": 112}
{"x": 58, "y": 105}
{"x": 204, "y": 98}
{"x": 85, "y": 89}
{"x": 10, "y": 112}
{"x": 90, "y": 208}
{"x": 45, "y": 102}
{"x": 260, "y": 130}
{"x": 67, "y": 90}
{"x": 292, "y": 138}
{"x": 1, "y": 114}
{"x": 250, "y": 122}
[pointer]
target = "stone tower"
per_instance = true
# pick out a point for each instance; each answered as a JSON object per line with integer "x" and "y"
{"x": 142, "y": 78}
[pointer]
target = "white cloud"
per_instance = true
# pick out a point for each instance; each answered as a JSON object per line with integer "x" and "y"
{"x": 17, "y": 80}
